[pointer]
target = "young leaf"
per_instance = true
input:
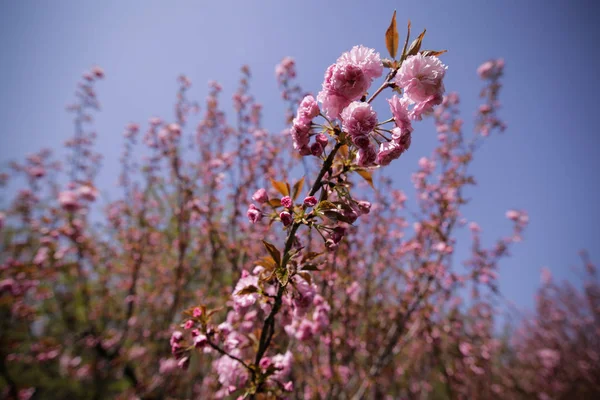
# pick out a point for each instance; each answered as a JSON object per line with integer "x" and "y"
{"x": 273, "y": 251}
{"x": 367, "y": 176}
{"x": 297, "y": 188}
{"x": 406, "y": 41}
{"x": 283, "y": 276}
{"x": 327, "y": 205}
{"x": 433, "y": 52}
{"x": 310, "y": 267}
{"x": 274, "y": 202}
{"x": 267, "y": 262}
{"x": 306, "y": 276}
{"x": 415, "y": 46}
{"x": 247, "y": 290}
{"x": 310, "y": 256}
{"x": 281, "y": 187}
{"x": 391, "y": 37}
{"x": 343, "y": 151}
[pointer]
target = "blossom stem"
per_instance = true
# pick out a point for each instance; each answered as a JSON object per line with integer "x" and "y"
{"x": 381, "y": 88}
{"x": 269, "y": 325}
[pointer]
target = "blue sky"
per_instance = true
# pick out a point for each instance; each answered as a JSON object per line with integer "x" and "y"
{"x": 545, "y": 163}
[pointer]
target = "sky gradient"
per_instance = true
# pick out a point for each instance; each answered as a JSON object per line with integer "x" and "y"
{"x": 545, "y": 163}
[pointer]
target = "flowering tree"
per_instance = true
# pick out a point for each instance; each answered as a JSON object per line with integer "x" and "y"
{"x": 312, "y": 282}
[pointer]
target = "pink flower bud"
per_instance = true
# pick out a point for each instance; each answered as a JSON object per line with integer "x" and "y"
{"x": 253, "y": 213}
{"x": 176, "y": 337}
{"x": 322, "y": 139}
{"x": 260, "y": 196}
{"x": 286, "y": 218}
{"x": 265, "y": 363}
{"x": 197, "y": 312}
{"x": 310, "y": 201}
{"x": 184, "y": 363}
{"x": 286, "y": 201}
{"x": 200, "y": 341}
{"x": 364, "y": 207}
{"x": 289, "y": 386}
{"x": 316, "y": 149}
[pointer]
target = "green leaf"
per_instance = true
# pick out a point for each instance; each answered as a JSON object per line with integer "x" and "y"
{"x": 273, "y": 251}
{"x": 283, "y": 276}
{"x": 290, "y": 254}
{"x": 391, "y": 37}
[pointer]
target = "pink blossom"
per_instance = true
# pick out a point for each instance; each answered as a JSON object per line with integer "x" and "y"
{"x": 367, "y": 59}
{"x": 265, "y": 363}
{"x": 364, "y": 207}
{"x": 321, "y": 314}
{"x": 388, "y": 152}
{"x": 366, "y": 156}
{"x": 549, "y": 358}
{"x": 358, "y": 118}
{"x": 37, "y": 172}
{"x": 399, "y": 109}
{"x": 196, "y": 312}
{"x": 242, "y": 301}
{"x": 304, "y": 296}
{"x": 200, "y": 341}
{"x": 260, "y": 196}
{"x": 361, "y": 141}
{"x": 402, "y": 138}
{"x": 421, "y": 78}
{"x": 68, "y": 200}
{"x": 485, "y": 69}
{"x": 98, "y": 72}
{"x": 353, "y": 291}
{"x": 512, "y": 215}
{"x": 300, "y": 136}
{"x": 283, "y": 363}
{"x": 465, "y": 349}
{"x": 288, "y": 386}
{"x": 167, "y": 365}
{"x": 231, "y": 373}
{"x": 308, "y": 109}
{"x": 343, "y": 84}
{"x": 303, "y": 331}
{"x": 546, "y": 276}
{"x": 253, "y": 213}
{"x": 87, "y": 192}
{"x": 424, "y": 107}
{"x": 41, "y": 256}
{"x": 285, "y": 69}
{"x": 176, "y": 337}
